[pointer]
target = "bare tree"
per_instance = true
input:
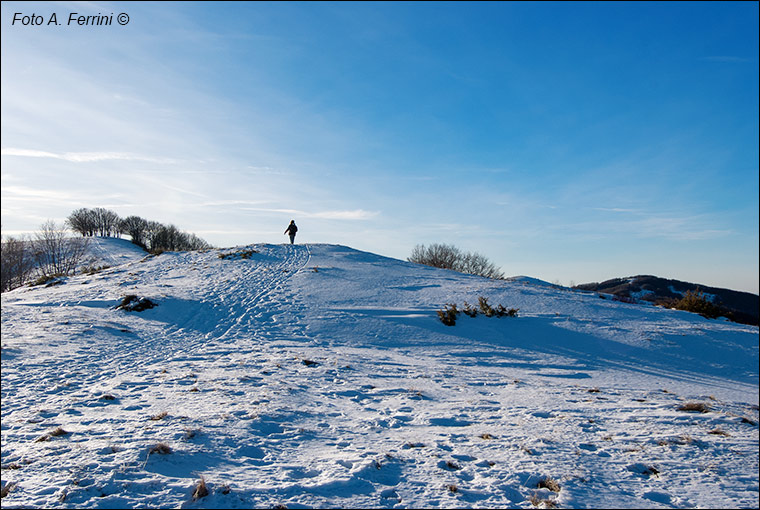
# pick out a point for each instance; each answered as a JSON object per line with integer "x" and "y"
{"x": 107, "y": 222}
{"x": 17, "y": 263}
{"x": 475, "y": 263}
{"x": 83, "y": 221}
{"x": 136, "y": 227}
{"x": 55, "y": 252}
{"x": 447, "y": 256}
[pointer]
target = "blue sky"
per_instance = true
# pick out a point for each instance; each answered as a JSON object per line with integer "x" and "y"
{"x": 571, "y": 142}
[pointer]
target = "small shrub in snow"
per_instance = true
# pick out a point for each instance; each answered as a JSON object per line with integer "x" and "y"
{"x": 469, "y": 310}
{"x": 499, "y": 311}
{"x": 694, "y": 407}
{"x": 449, "y": 314}
{"x": 487, "y": 310}
{"x": 503, "y": 312}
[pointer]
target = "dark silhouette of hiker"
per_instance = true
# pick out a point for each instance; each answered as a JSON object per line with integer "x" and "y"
{"x": 291, "y": 231}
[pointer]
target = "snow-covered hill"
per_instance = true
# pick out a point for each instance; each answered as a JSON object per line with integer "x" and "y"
{"x": 320, "y": 376}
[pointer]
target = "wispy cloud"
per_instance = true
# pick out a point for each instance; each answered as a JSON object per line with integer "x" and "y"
{"x": 357, "y": 214}
{"x": 81, "y": 157}
{"x": 350, "y": 215}
{"x": 639, "y": 223}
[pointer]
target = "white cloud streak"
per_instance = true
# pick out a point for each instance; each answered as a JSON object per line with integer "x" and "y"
{"x": 82, "y": 157}
{"x": 357, "y": 214}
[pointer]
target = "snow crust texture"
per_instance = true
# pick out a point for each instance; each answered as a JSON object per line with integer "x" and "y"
{"x": 320, "y": 376}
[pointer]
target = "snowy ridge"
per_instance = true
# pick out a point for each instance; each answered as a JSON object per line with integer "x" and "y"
{"x": 320, "y": 376}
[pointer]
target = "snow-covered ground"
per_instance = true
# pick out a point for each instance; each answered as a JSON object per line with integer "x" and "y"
{"x": 320, "y": 376}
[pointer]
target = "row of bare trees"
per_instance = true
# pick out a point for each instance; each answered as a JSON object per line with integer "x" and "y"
{"x": 50, "y": 253}
{"x": 151, "y": 235}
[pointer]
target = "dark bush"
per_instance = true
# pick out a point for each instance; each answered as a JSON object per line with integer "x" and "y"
{"x": 697, "y": 302}
{"x": 449, "y": 314}
{"x": 446, "y": 256}
{"x": 132, "y": 303}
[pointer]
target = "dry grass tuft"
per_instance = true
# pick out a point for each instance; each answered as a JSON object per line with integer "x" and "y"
{"x": 453, "y": 465}
{"x": 7, "y": 488}
{"x": 53, "y": 433}
{"x": 201, "y": 491}
{"x": 159, "y": 416}
{"x": 694, "y": 407}
{"x": 719, "y": 432}
{"x": 538, "y": 501}
{"x": 191, "y": 433}
{"x": 160, "y": 448}
{"x": 549, "y": 483}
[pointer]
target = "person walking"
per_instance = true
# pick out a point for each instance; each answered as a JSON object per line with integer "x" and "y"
{"x": 291, "y": 231}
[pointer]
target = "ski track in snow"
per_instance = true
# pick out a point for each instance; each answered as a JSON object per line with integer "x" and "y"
{"x": 290, "y": 379}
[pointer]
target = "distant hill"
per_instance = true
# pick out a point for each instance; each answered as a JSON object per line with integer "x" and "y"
{"x": 744, "y": 306}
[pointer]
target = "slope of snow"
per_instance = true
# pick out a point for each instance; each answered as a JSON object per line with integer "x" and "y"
{"x": 110, "y": 251}
{"x": 320, "y": 376}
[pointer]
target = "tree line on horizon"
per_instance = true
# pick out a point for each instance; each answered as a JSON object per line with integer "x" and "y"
{"x": 51, "y": 252}
{"x": 153, "y": 236}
